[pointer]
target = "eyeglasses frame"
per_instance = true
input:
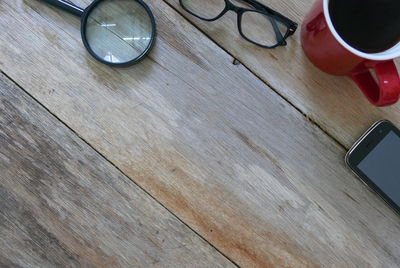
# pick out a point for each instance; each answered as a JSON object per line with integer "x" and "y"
{"x": 271, "y": 14}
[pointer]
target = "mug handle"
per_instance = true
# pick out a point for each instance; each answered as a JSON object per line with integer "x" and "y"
{"x": 383, "y": 92}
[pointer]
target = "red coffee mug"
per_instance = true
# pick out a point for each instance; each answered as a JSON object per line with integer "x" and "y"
{"x": 330, "y": 53}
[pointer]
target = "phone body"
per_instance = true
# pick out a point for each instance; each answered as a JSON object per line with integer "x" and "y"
{"x": 375, "y": 159}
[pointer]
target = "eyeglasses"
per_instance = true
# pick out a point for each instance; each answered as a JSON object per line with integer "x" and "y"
{"x": 261, "y": 26}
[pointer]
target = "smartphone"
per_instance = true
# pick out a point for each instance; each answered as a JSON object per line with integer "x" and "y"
{"x": 375, "y": 159}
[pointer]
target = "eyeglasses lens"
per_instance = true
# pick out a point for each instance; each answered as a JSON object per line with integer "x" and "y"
{"x": 259, "y": 28}
{"x": 205, "y": 9}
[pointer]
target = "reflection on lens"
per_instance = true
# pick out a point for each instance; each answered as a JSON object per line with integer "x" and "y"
{"x": 119, "y": 31}
{"x": 206, "y": 9}
{"x": 258, "y": 28}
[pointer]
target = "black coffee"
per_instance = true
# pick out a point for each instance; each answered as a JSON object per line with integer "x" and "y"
{"x": 368, "y": 25}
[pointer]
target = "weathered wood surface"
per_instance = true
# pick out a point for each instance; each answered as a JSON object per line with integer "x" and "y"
{"x": 63, "y": 205}
{"x": 334, "y": 103}
{"x": 207, "y": 139}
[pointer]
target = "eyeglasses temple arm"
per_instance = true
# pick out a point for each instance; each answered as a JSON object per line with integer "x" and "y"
{"x": 66, "y": 6}
{"x": 279, "y": 37}
{"x": 258, "y": 5}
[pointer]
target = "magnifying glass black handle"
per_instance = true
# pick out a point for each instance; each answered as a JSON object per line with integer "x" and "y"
{"x": 67, "y": 6}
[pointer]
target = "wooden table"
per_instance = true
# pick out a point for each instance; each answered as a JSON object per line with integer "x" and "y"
{"x": 184, "y": 160}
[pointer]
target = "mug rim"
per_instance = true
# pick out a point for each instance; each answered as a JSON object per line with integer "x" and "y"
{"x": 384, "y": 55}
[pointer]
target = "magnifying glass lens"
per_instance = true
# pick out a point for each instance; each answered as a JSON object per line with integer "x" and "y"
{"x": 119, "y": 31}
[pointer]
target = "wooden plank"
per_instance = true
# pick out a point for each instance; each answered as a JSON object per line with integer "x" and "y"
{"x": 63, "y": 205}
{"x": 334, "y": 103}
{"x": 209, "y": 140}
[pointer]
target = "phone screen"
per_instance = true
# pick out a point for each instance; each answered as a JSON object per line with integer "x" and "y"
{"x": 382, "y": 166}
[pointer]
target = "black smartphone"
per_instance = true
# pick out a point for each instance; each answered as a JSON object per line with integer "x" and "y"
{"x": 375, "y": 159}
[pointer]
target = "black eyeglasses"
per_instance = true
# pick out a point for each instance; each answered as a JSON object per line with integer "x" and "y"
{"x": 261, "y": 26}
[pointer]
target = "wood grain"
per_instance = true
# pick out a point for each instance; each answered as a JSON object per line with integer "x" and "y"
{"x": 334, "y": 103}
{"x": 208, "y": 139}
{"x": 63, "y": 205}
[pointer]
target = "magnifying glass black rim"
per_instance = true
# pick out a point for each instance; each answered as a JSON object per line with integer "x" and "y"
{"x": 85, "y": 17}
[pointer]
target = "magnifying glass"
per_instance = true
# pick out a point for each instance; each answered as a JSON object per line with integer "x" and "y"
{"x": 115, "y": 32}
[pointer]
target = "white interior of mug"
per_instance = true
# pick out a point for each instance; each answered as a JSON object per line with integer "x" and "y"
{"x": 391, "y": 53}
